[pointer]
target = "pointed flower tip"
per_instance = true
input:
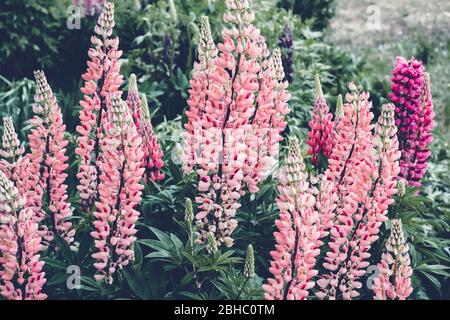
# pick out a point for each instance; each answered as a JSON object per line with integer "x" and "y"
{"x": 7, "y": 121}
{"x": 120, "y": 112}
{"x": 106, "y": 22}
{"x": 339, "y": 106}
{"x": 294, "y": 147}
{"x": 144, "y": 107}
{"x": 249, "y": 266}
{"x": 318, "y": 87}
{"x": 40, "y": 78}
{"x": 204, "y": 20}
{"x": 189, "y": 211}
{"x": 278, "y": 64}
{"x": 207, "y": 48}
{"x": 132, "y": 83}
{"x": 211, "y": 243}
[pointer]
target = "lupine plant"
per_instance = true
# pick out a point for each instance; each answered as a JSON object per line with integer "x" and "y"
{"x": 236, "y": 113}
{"x": 321, "y": 127}
{"x": 346, "y": 210}
{"x": 102, "y": 79}
{"x": 119, "y": 192}
{"x": 20, "y": 244}
{"x": 42, "y": 171}
{"x": 414, "y": 117}
{"x": 138, "y": 106}
{"x": 394, "y": 264}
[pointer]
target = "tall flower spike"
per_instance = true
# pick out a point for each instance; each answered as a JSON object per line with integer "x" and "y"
{"x": 351, "y": 169}
{"x": 421, "y": 154}
{"x": 287, "y": 47}
{"x": 119, "y": 192}
{"x": 377, "y": 201}
{"x": 21, "y": 275}
{"x": 200, "y": 83}
{"x": 321, "y": 127}
{"x": 102, "y": 78}
{"x": 237, "y": 103}
{"x": 134, "y": 101}
{"x": 153, "y": 155}
{"x": 413, "y": 117}
{"x": 43, "y": 171}
{"x": 298, "y": 235}
{"x": 394, "y": 278}
{"x": 152, "y": 160}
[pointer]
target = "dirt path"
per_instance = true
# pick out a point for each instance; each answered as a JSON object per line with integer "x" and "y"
{"x": 356, "y": 21}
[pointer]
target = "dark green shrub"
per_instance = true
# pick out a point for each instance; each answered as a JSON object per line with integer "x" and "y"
{"x": 319, "y": 11}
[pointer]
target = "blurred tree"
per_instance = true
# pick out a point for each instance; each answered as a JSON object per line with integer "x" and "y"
{"x": 320, "y": 11}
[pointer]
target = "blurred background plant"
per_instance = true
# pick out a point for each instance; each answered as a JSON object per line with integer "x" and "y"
{"x": 159, "y": 40}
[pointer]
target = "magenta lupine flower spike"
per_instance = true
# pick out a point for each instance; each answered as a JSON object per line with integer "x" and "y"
{"x": 237, "y": 104}
{"x": 350, "y": 168}
{"x": 298, "y": 236}
{"x": 321, "y": 127}
{"x": 153, "y": 155}
{"x": 414, "y": 117}
{"x": 21, "y": 276}
{"x": 421, "y": 154}
{"x": 119, "y": 192}
{"x": 102, "y": 78}
{"x": 394, "y": 278}
{"x": 43, "y": 170}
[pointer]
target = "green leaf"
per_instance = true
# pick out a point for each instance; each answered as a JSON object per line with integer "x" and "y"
{"x": 155, "y": 244}
{"x": 164, "y": 238}
{"x": 54, "y": 263}
{"x": 85, "y": 247}
{"x": 64, "y": 248}
{"x": 138, "y": 258}
{"x": 432, "y": 279}
{"x": 159, "y": 254}
{"x": 175, "y": 171}
{"x": 135, "y": 284}
{"x": 58, "y": 278}
{"x": 187, "y": 279}
{"x": 438, "y": 269}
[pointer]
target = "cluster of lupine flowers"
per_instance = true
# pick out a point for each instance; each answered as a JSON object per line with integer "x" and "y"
{"x": 237, "y": 104}
{"x": 116, "y": 148}
{"x": 329, "y": 217}
{"x": 329, "y": 221}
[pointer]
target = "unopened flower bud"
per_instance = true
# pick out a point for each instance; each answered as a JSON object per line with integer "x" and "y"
{"x": 249, "y": 267}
